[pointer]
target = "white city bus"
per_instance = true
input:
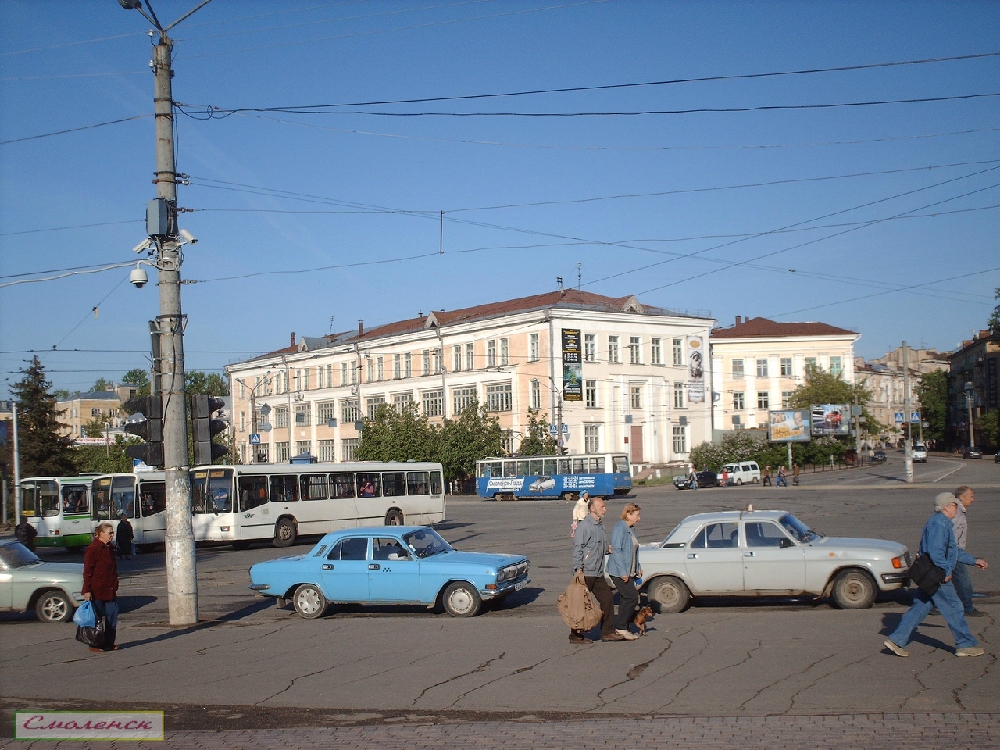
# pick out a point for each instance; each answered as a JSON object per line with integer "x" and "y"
{"x": 142, "y": 497}
{"x": 281, "y": 502}
{"x": 59, "y": 509}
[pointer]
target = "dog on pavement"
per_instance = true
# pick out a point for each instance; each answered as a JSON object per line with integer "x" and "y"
{"x": 645, "y": 613}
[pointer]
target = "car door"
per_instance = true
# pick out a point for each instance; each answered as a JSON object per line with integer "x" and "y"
{"x": 345, "y": 570}
{"x": 714, "y": 562}
{"x": 6, "y": 587}
{"x": 772, "y": 561}
{"x": 393, "y": 573}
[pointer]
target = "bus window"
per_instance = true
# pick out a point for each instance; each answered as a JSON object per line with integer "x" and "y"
{"x": 550, "y": 465}
{"x": 75, "y": 500}
{"x": 220, "y": 491}
{"x": 510, "y": 468}
{"x": 152, "y": 498}
{"x": 417, "y": 483}
{"x": 620, "y": 464}
{"x": 198, "y": 503}
{"x": 578, "y": 466}
{"x": 284, "y": 489}
{"x": 597, "y": 465}
{"x": 29, "y": 500}
{"x": 252, "y": 491}
{"x": 123, "y": 496}
{"x": 314, "y": 486}
{"x": 48, "y": 498}
{"x": 369, "y": 485}
{"x": 342, "y": 485}
{"x": 535, "y": 467}
{"x": 565, "y": 466}
{"x": 437, "y": 484}
{"x": 101, "y": 491}
{"x": 393, "y": 483}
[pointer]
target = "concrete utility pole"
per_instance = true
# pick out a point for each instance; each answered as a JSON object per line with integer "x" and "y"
{"x": 907, "y": 408}
{"x": 969, "y": 390}
{"x": 17, "y": 472}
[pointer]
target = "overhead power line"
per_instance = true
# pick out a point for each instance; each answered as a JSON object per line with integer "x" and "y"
{"x": 73, "y": 130}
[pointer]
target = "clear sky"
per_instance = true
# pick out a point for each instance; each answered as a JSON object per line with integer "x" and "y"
{"x": 887, "y": 213}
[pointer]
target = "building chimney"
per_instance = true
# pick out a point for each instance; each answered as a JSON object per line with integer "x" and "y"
{"x": 361, "y": 328}
{"x": 293, "y": 338}
{"x": 739, "y": 319}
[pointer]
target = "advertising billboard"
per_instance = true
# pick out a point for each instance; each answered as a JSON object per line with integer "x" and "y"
{"x": 572, "y": 365}
{"x": 790, "y": 426}
{"x": 831, "y": 419}
{"x": 696, "y": 371}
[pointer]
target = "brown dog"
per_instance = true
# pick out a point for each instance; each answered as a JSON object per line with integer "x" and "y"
{"x": 645, "y": 613}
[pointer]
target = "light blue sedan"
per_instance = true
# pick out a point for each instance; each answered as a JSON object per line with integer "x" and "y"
{"x": 389, "y": 565}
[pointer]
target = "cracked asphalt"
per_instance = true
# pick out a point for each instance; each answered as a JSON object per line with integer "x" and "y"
{"x": 250, "y": 668}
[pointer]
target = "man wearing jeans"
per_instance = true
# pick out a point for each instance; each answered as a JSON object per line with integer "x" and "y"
{"x": 938, "y": 543}
{"x": 962, "y": 577}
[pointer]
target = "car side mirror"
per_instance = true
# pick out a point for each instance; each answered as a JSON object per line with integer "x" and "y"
{"x": 786, "y": 543}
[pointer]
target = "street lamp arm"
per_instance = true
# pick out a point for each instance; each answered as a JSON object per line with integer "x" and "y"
{"x": 186, "y": 15}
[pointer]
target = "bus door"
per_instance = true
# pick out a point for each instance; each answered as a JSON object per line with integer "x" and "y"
{"x": 212, "y": 505}
{"x": 41, "y": 503}
{"x": 151, "y": 527}
{"x": 343, "y": 501}
{"x": 76, "y": 527}
{"x": 252, "y": 494}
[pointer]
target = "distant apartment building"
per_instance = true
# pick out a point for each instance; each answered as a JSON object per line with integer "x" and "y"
{"x": 973, "y": 388}
{"x": 757, "y": 363}
{"x": 81, "y": 409}
{"x": 618, "y": 374}
{"x": 883, "y": 377}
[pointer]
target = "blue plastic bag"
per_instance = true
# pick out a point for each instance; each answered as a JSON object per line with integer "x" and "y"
{"x": 84, "y": 617}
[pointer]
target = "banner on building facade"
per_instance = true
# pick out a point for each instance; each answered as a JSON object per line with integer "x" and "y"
{"x": 830, "y": 419}
{"x": 790, "y": 426}
{"x": 992, "y": 387}
{"x": 572, "y": 365}
{"x": 696, "y": 370}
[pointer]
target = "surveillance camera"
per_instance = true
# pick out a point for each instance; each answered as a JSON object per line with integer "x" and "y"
{"x": 189, "y": 237}
{"x": 138, "y": 277}
{"x": 144, "y": 245}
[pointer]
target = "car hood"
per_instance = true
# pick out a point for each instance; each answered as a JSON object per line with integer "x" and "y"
{"x": 51, "y": 571}
{"x": 850, "y": 543}
{"x": 474, "y": 558}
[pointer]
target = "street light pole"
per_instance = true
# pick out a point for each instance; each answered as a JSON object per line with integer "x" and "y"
{"x": 908, "y": 407}
{"x": 969, "y": 388}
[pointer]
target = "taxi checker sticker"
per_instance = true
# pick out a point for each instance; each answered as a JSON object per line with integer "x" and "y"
{"x": 88, "y": 725}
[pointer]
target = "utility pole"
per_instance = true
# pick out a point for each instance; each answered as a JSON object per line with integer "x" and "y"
{"x": 17, "y": 472}
{"x": 969, "y": 389}
{"x": 907, "y": 407}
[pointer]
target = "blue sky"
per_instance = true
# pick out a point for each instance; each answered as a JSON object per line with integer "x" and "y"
{"x": 372, "y": 186}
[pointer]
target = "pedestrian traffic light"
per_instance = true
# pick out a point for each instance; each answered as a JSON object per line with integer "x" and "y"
{"x": 205, "y": 428}
{"x": 146, "y": 422}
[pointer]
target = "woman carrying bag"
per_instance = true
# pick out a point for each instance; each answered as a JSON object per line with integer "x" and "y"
{"x": 623, "y": 567}
{"x": 100, "y": 582}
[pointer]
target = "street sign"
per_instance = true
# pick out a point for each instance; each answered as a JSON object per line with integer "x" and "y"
{"x": 915, "y": 417}
{"x": 900, "y": 417}
{"x": 553, "y": 430}
{"x": 264, "y": 427}
{"x": 255, "y": 438}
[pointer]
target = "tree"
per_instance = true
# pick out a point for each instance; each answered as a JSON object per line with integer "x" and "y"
{"x": 103, "y": 385}
{"x": 538, "y": 441}
{"x": 821, "y": 387}
{"x": 44, "y": 452}
{"x": 103, "y": 459}
{"x": 994, "y": 320}
{"x": 932, "y": 390}
{"x": 138, "y": 378}
{"x": 473, "y": 434}
{"x": 94, "y": 428}
{"x": 198, "y": 383}
{"x": 398, "y": 435}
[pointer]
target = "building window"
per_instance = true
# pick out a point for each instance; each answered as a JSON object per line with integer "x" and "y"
{"x": 656, "y": 353}
{"x": 349, "y": 448}
{"x": 737, "y": 368}
{"x": 436, "y": 354}
{"x": 739, "y": 401}
{"x": 536, "y": 395}
{"x": 343, "y": 373}
{"x": 303, "y": 446}
{"x": 281, "y": 452}
{"x": 470, "y": 359}
{"x": 281, "y": 416}
{"x": 329, "y": 376}
{"x": 591, "y": 438}
{"x": 371, "y": 405}
{"x": 680, "y": 439}
{"x": 243, "y": 390}
{"x": 327, "y": 451}
{"x": 349, "y": 412}
{"x": 532, "y": 347}
{"x": 457, "y": 358}
{"x": 786, "y": 367}
{"x": 425, "y": 362}
{"x": 635, "y": 396}
{"x": 320, "y": 377}
{"x": 761, "y": 368}
{"x": 613, "y": 350}
{"x": 836, "y": 366}
{"x": 498, "y": 397}
{"x": 590, "y": 392}
{"x": 810, "y": 363}
{"x": 397, "y": 367}
{"x": 464, "y": 398}
{"x": 325, "y": 411}
{"x": 786, "y": 398}
{"x": 305, "y": 379}
{"x": 407, "y": 365}
{"x": 432, "y": 403}
{"x": 634, "y": 351}
{"x": 379, "y": 369}
{"x": 369, "y": 369}
{"x": 400, "y": 401}
{"x": 508, "y": 441}
{"x": 678, "y": 395}
{"x": 301, "y": 415}
{"x": 504, "y": 352}
{"x": 491, "y": 353}
{"x": 678, "y": 353}
{"x": 243, "y": 421}
{"x": 263, "y": 452}
{"x": 590, "y": 347}
{"x": 762, "y": 400}
{"x": 95, "y": 412}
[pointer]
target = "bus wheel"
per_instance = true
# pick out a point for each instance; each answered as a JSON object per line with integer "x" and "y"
{"x": 394, "y": 517}
{"x": 284, "y": 533}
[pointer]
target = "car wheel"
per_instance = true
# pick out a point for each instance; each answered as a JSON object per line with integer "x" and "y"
{"x": 670, "y": 594}
{"x": 394, "y": 517}
{"x": 739, "y": 482}
{"x": 284, "y": 533}
{"x": 461, "y": 599}
{"x": 309, "y": 601}
{"x": 854, "y": 589}
{"x": 54, "y": 606}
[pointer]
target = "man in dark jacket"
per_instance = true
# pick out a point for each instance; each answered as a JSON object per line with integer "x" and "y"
{"x": 25, "y": 533}
{"x": 938, "y": 543}
{"x": 100, "y": 582}
{"x": 125, "y": 535}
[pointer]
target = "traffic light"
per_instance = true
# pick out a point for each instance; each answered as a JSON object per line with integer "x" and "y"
{"x": 205, "y": 428}
{"x": 146, "y": 422}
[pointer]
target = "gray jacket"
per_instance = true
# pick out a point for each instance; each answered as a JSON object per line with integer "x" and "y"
{"x": 590, "y": 545}
{"x": 961, "y": 525}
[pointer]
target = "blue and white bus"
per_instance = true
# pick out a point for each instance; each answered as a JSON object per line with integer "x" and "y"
{"x": 603, "y": 475}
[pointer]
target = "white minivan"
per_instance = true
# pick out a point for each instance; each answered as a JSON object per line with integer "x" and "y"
{"x": 744, "y": 472}
{"x": 919, "y": 453}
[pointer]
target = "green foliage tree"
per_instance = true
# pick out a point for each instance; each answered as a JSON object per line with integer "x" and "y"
{"x": 94, "y": 428}
{"x": 101, "y": 459}
{"x": 205, "y": 384}
{"x": 821, "y": 387}
{"x": 537, "y": 441}
{"x": 741, "y": 446}
{"x": 398, "y": 435}
{"x": 473, "y": 434}
{"x": 932, "y": 390}
{"x": 44, "y": 452}
{"x": 103, "y": 385}
{"x": 994, "y": 320}
{"x": 989, "y": 427}
{"x": 139, "y": 378}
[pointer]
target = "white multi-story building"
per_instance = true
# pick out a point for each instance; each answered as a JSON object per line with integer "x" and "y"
{"x": 620, "y": 375}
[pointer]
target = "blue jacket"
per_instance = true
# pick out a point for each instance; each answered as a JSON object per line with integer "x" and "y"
{"x": 590, "y": 545}
{"x": 938, "y": 543}
{"x": 624, "y": 554}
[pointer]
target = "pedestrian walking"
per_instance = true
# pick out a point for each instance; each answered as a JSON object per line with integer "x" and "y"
{"x": 623, "y": 567}
{"x": 939, "y": 544}
{"x": 766, "y": 482}
{"x": 124, "y": 537}
{"x": 580, "y": 511}
{"x": 25, "y": 533}
{"x": 795, "y": 473}
{"x": 782, "y": 480}
{"x": 590, "y": 545}
{"x": 100, "y": 582}
{"x": 962, "y": 577}
{"x": 693, "y": 477}
{"x": 725, "y": 477}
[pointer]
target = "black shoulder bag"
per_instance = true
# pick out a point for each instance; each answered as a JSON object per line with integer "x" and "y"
{"x": 926, "y": 574}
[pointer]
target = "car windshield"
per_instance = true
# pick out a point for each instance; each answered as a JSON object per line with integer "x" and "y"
{"x": 798, "y": 529}
{"x": 16, "y": 555}
{"x": 426, "y": 542}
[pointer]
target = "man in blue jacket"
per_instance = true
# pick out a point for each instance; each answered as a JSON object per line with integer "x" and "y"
{"x": 938, "y": 543}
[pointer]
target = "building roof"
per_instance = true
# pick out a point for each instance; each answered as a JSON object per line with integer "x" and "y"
{"x": 764, "y": 328}
{"x": 95, "y": 396}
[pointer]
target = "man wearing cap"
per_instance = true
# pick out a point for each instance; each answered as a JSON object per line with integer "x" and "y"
{"x": 939, "y": 544}
{"x": 962, "y": 576}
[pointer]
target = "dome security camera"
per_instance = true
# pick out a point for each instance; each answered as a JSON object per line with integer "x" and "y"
{"x": 138, "y": 277}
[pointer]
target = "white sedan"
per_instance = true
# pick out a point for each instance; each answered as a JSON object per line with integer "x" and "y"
{"x": 767, "y": 553}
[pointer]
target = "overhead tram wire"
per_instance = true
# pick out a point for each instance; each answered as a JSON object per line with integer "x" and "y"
{"x": 74, "y": 130}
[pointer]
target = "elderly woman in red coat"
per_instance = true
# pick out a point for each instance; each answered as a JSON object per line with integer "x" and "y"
{"x": 100, "y": 581}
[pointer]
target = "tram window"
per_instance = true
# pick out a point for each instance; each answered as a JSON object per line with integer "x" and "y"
{"x": 252, "y": 491}
{"x": 369, "y": 485}
{"x": 417, "y": 483}
{"x": 284, "y": 489}
{"x": 550, "y": 467}
{"x": 342, "y": 485}
{"x": 535, "y": 467}
{"x": 314, "y": 486}
{"x": 437, "y": 485}
{"x": 496, "y": 469}
{"x": 152, "y": 498}
{"x": 620, "y": 464}
{"x": 597, "y": 465}
{"x": 522, "y": 469}
{"x": 101, "y": 491}
{"x": 75, "y": 500}
{"x": 123, "y": 496}
{"x": 565, "y": 466}
{"x": 578, "y": 466}
{"x": 510, "y": 468}
{"x": 394, "y": 483}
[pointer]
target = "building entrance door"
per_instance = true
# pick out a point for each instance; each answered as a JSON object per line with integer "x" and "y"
{"x": 635, "y": 443}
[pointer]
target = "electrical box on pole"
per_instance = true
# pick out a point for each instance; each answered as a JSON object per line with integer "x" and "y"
{"x": 158, "y": 218}
{"x": 205, "y": 428}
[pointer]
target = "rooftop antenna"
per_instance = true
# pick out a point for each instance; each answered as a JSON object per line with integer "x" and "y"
{"x": 579, "y": 275}
{"x": 559, "y": 281}
{"x": 332, "y": 318}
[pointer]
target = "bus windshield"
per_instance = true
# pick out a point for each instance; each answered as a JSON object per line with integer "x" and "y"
{"x": 212, "y": 491}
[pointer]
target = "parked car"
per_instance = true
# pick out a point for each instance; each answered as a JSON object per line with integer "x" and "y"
{"x": 53, "y": 590}
{"x": 972, "y": 453}
{"x": 771, "y": 552}
{"x": 996, "y": 457}
{"x": 879, "y": 457}
{"x": 744, "y": 472}
{"x": 919, "y": 453}
{"x": 705, "y": 479}
{"x": 389, "y": 565}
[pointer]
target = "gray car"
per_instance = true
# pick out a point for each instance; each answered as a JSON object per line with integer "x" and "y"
{"x": 767, "y": 553}
{"x": 53, "y": 590}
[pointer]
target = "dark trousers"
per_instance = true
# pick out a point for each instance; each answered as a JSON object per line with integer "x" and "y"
{"x": 963, "y": 585}
{"x": 606, "y": 598}
{"x": 767, "y": 480}
{"x": 628, "y": 601}
{"x": 108, "y": 610}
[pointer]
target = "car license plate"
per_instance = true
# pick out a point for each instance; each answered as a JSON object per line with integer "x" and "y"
{"x": 520, "y": 585}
